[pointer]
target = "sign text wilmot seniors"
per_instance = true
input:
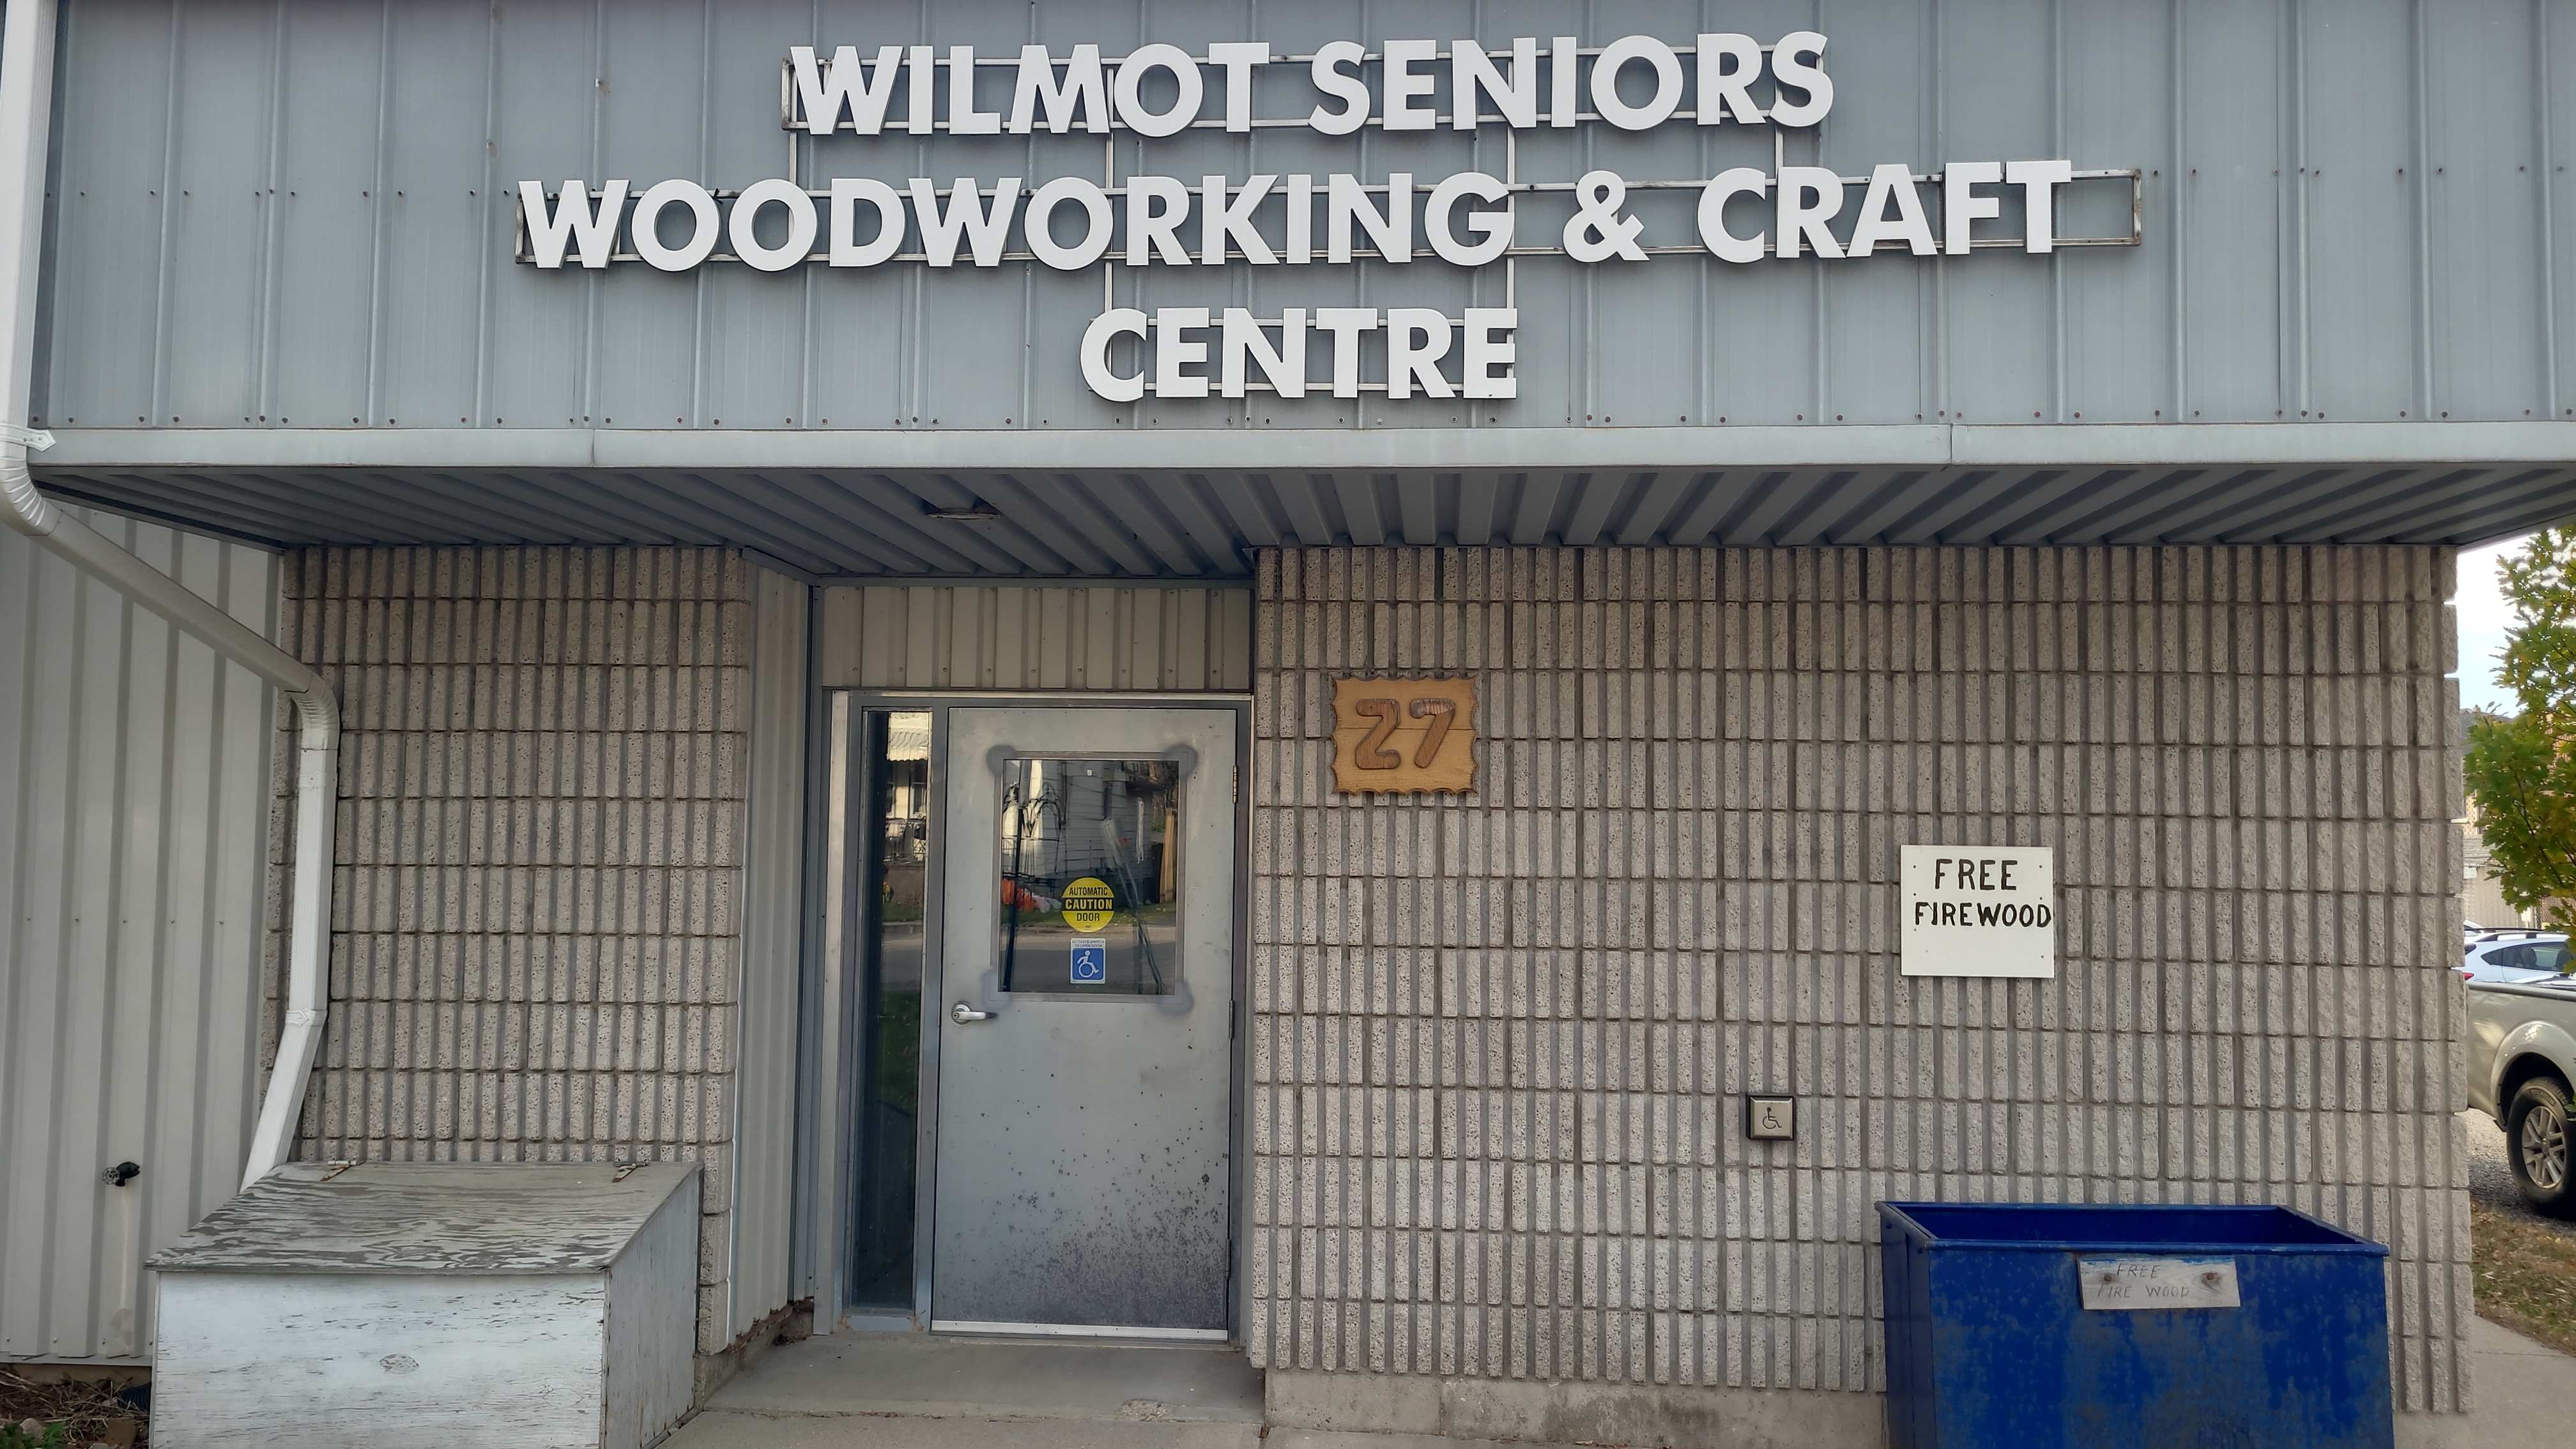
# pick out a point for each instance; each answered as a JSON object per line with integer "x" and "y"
{"x": 1468, "y": 219}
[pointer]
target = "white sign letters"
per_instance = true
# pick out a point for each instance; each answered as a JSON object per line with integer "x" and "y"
{"x": 1469, "y": 219}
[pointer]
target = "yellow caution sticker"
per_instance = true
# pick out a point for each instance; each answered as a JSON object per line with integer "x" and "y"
{"x": 1087, "y": 904}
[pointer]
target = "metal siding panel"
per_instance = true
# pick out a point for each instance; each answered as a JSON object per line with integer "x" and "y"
{"x": 1878, "y": 318}
{"x": 134, "y": 782}
{"x": 2363, "y": 185}
{"x": 116, "y": 70}
{"x": 447, "y": 223}
{"x": 1187, "y": 665}
{"x": 840, "y": 649}
{"x": 2555, "y": 56}
{"x": 925, "y": 617}
{"x": 216, "y": 254}
{"x": 654, "y": 122}
{"x": 2228, "y": 197}
{"x": 756, "y": 346}
{"x": 541, "y": 327}
{"x": 331, "y": 139}
{"x": 1998, "y": 87}
{"x": 2117, "y": 339}
{"x": 1008, "y": 668}
{"x": 333, "y": 290}
{"x": 968, "y": 659}
{"x": 1146, "y": 643}
{"x": 1095, "y": 658}
{"x": 772, "y": 887}
{"x": 1020, "y": 638}
{"x": 1055, "y": 668}
{"x": 2488, "y": 356}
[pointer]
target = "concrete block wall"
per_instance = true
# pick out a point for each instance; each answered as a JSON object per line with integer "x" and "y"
{"x": 536, "y": 937}
{"x": 1499, "y": 1040}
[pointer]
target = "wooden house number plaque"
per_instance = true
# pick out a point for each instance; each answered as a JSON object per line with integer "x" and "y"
{"x": 1404, "y": 736}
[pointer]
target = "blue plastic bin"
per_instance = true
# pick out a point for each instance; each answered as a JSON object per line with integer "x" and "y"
{"x": 1989, "y": 1345}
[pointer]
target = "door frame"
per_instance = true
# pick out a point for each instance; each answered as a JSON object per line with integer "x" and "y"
{"x": 830, "y": 1072}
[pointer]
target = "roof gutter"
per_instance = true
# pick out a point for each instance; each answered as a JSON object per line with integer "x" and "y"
{"x": 26, "y": 116}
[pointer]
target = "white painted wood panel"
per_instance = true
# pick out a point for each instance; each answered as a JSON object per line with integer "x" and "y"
{"x": 305, "y": 1361}
{"x": 433, "y": 1305}
{"x": 650, "y": 1346}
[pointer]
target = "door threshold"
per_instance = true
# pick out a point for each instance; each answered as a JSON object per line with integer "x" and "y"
{"x": 1077, "y": 1330}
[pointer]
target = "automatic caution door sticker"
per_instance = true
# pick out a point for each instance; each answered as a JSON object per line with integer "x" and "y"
{"x": 1087, "y": 904}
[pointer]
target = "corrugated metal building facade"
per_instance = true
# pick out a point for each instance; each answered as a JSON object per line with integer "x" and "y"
{"x": 2138, "y": 549}
{"x": 134, "y": 794}
{"x": 277, "y": 197}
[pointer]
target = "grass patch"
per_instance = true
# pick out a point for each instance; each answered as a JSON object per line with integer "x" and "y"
{"x": 2526, "y": 1275}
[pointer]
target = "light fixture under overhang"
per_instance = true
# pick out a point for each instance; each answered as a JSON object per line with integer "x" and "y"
{"x": 981, "y": 512}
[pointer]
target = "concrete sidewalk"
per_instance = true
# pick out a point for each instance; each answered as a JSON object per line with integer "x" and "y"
{"x": 912, "y": 1391}
{"x": 2520, "y": 1389}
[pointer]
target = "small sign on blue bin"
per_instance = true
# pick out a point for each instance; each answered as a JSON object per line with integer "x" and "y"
{"x": 1090, "y": 960}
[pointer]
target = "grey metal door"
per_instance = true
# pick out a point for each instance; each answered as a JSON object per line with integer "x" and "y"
{"x": 1086, "y": 994}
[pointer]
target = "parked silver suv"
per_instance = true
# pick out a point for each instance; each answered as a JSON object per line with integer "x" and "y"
{"x": 2522, "y": 956}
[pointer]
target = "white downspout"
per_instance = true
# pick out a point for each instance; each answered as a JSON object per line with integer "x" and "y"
{"x": 26, "y": 121}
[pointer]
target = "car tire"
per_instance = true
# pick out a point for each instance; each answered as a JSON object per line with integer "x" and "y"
{"x": 2537, "y": 1143}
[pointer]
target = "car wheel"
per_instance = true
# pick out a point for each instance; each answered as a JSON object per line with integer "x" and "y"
{"x": 2537, "y": 1141}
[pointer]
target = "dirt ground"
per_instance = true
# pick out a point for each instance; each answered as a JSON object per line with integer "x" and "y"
{"x": 85, "y": 1404}
{"x": 2525, "y": 1263}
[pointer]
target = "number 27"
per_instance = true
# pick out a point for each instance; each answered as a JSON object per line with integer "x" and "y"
{"x": 1373, "y": 754}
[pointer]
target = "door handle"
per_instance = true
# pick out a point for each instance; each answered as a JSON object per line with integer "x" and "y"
{"x": 961, "y": 1014}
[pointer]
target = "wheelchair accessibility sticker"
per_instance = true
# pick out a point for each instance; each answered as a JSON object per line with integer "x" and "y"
{"x": 1090, "y": 961}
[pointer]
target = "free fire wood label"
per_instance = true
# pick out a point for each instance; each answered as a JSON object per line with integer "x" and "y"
{"x": 1404, "y": 736}
{"x": 1978, "y": 910}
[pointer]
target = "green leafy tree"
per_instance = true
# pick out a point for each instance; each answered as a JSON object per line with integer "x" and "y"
{"x": 2521, "y": 769}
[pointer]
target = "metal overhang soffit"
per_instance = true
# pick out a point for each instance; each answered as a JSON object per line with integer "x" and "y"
{"x": 26, "y": 109}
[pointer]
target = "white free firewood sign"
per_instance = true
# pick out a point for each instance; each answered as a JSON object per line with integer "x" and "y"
{"x": 1978, "y": 910}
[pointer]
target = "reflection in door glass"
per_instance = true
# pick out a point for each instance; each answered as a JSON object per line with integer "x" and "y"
{"x": 897, "y": 831}
{"x": 1090, "y": 877}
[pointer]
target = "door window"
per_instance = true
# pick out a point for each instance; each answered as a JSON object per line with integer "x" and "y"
{"x": 895, "y": 877}
{"x": 1091, "y": 875}
{"x": 2538, "y": 956}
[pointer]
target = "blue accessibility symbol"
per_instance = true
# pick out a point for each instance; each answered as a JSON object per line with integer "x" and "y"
{"x": 1090, "y": 961}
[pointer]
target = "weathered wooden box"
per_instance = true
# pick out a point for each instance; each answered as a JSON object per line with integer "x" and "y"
{"x": 433, "y": 1305}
